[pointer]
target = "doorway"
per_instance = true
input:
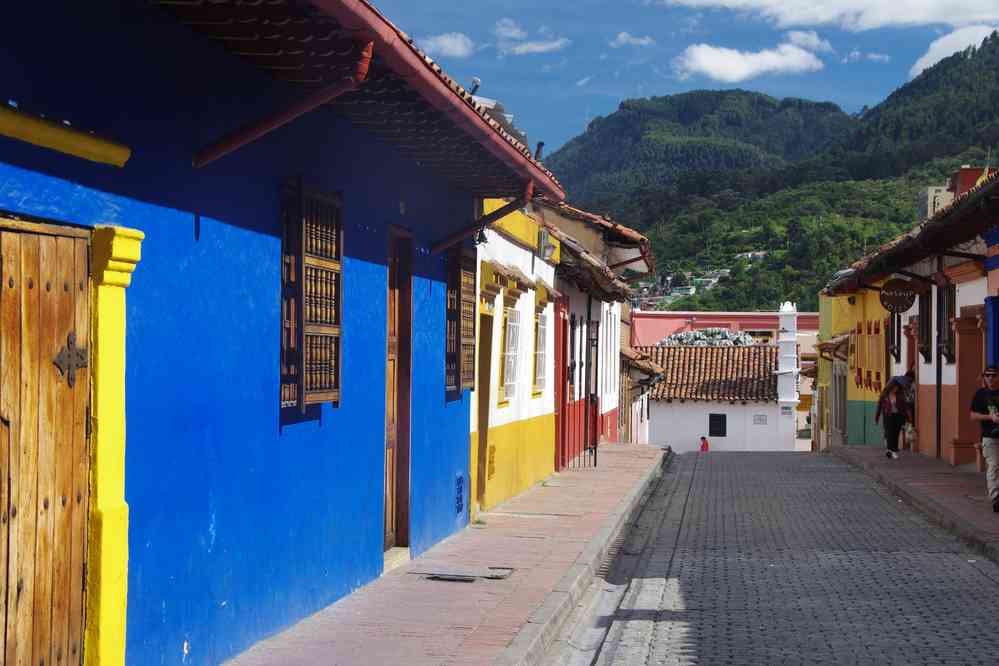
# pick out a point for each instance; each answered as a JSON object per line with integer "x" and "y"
{"x": 483, "y": 391}
{"x": 44, "y": 439}
{"x": 398, "y": 366}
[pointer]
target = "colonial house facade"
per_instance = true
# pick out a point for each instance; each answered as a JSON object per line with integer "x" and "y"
{"x": 513, "y": 414}
{"x": 269, "y": 205}
{"x": 940, "y": 282}
{"x": 742, "y": 398}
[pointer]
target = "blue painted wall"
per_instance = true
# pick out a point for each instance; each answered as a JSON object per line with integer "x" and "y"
{"x": 239, "y": 527}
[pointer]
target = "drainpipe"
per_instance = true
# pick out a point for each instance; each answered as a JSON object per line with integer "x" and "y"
{"x": 939, "y": 354}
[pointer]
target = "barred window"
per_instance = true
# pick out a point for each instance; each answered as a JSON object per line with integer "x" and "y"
{"x": 926, "y": 325}
{"x": 540, "y": 350}
{"x": 459, "y": 357}
{"x": 949, "y": 313}
{"x": 311, "y": 297}
{"x": 511, "y": 346}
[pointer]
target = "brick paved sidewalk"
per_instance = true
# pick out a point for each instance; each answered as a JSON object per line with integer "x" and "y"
{"x": 952, "y": 497}
{"x": 546, "y": 534}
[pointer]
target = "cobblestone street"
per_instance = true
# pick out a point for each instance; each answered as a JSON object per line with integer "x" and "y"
{"x": 789, "y": 559}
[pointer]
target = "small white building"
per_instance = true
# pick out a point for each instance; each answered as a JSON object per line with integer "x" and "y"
{"x": 741, "y": 398}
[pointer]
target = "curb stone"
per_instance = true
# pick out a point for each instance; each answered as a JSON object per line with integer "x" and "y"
{"x": 544, "y": 624}
{"x": 932, "y": 510}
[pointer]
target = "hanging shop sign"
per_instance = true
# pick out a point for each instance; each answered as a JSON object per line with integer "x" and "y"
{"x": 897, "y": 296}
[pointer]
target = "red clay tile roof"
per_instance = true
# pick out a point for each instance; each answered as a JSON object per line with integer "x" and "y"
{"x": 641, "y": 362}
{"x": 316, "y": 44}
{"x": 613, "y": 232}
{"x": 719, "y": 374}
{"x": 588, "y": 272}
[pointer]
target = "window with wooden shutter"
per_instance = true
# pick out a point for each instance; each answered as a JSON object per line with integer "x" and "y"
{"x": 459, "y": 357}
{"x": 926, "y": 325}
{"x": 949, "y": 306}
{"x": 468, "y": 317}
{"x": 311, "y": 289}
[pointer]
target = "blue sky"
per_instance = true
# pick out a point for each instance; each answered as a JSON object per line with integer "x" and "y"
{"x": 556, "y": 64}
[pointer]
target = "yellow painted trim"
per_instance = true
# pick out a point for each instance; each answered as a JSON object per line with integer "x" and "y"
{"x": 520, "y": 228}
{"x": 115, "y": 253}
{"x": 47, "y": 134}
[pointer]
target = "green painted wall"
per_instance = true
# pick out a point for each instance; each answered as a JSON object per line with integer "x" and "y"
{"x": 861, "y": 428}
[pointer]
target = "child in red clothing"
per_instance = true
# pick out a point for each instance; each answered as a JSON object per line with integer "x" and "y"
{"x": 704, "y": 444}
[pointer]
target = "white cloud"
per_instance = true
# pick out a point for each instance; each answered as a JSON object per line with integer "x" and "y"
{"x": 879, "y": 57}
{"x": 508, "y": 29}
{"x": 540, "y": 46}
{"x": 511, "y": 38}
{"x": 809, "y": 40}
{"x": 450, "y": 44}
{"x": 852, "y": 56}
{"x": 582, "y": 82}
{"x": 732, "y": 66}
{"x": 950, "y": 44}
{"x": 856, "y": 14}
{"x": 627, "y": 39}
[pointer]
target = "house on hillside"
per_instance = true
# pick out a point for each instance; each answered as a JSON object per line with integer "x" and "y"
{"x": 742, "y": 398}
{"x": 262, "y": 201}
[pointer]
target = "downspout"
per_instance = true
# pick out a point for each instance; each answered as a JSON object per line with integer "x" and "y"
{"x": 939, "y": 356}
{"x": 589, "y": 374}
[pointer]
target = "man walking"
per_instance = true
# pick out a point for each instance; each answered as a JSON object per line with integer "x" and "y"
{"x": 985, "y": 410}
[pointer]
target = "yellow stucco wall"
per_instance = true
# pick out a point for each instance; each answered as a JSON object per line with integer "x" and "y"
{"x": 520, "y": 454}
{"x": 520, "y": 227}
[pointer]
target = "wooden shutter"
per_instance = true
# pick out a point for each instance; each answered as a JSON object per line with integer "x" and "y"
{"x": 468, "y": 318}
{"x": 459, "y": 356}
{"x": 452, "y": 334}
{"x": 312, "y": 290}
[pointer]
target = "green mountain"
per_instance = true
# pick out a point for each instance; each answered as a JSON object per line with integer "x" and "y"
{"x": 709, "y": 175}
{"x": 652, "y": 143}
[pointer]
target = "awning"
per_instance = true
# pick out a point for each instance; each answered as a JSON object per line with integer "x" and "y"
{"x": 406, "y": 100}
{"x": 627, "y": 249}
{"x": 586, "y": 271}
{"x": 641, "y": 362}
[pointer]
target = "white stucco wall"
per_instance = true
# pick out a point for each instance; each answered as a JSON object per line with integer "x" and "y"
{"x": 607, "y": 379}
{"x": 681, "y": 425}
{"x": 973, "y": 292}
{"x": 525, "y": 404}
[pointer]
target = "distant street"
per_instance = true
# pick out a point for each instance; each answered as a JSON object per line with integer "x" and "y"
{"x": 764, "y": 558}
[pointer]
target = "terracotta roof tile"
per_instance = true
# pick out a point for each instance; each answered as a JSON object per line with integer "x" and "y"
{"x": 721, "y": 374}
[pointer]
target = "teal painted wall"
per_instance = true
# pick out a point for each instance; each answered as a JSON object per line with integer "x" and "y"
{"x": 860, "y": 425}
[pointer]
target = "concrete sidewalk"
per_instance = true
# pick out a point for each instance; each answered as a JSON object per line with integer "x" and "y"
{"x": 554, "y": 536}
{"x": 951, "y": 497}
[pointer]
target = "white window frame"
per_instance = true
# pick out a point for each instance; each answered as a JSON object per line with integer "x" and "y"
{"x": 541, "y": 352}
{"x": 511, "y": 335}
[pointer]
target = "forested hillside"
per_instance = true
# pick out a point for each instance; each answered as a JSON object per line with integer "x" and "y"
{"x": 652, "y": 143}
{"x": 711, "y": 174}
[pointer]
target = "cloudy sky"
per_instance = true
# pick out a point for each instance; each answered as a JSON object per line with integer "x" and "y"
{"x": 557, "y": 64}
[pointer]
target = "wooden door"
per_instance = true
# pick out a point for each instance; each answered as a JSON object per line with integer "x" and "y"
{"x": 397, "y": 373}
{"x": 44, "y": 436}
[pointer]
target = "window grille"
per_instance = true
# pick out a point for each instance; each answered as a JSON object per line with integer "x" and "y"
{"x": 949, "y": 305}
{"x": 925, "y": 325}
{"x": 459, "y": 357}
{"x": 311, "y": 297}
{"x": 511, "y": 341}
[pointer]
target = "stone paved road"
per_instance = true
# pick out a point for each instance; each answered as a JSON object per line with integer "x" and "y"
{"x": 796, "y": 559}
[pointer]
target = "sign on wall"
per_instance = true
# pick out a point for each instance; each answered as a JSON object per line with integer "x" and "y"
{"x": 898, "y": 296}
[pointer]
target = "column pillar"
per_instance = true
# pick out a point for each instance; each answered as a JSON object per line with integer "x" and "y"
{"x": 115, "y": 251}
